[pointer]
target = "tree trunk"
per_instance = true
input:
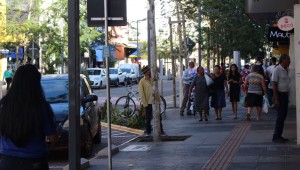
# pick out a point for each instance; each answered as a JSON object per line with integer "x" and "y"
{"x": 154, "y": 73}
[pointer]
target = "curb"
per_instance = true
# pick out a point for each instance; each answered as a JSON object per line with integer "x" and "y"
{"x": 123, "y": 128}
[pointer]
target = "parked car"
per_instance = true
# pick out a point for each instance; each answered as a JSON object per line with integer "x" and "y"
{"x": 97, "y": 77}
{"x": 135, "y": 74}
{"x": 116, "y": 76}
{"x": 56, "y": 89}
{"x": 130, "y": 76}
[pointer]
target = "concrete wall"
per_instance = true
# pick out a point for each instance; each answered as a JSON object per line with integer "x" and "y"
{"x": 297, "y": 63}
{"x": 292, "y": 100}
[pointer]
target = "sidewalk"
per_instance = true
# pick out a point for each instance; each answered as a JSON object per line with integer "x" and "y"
{"x": 226, "y": 144}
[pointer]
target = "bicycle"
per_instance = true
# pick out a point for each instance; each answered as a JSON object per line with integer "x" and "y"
{"x": 127, "y": 107}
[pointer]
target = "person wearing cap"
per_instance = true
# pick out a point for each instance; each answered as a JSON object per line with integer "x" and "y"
{"x": 145, "y": 92}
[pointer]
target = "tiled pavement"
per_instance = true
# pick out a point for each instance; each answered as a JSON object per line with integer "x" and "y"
{"x": 226, "y": 144}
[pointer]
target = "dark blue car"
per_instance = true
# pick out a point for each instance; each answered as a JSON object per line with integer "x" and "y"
{"x": 56, "y": 88}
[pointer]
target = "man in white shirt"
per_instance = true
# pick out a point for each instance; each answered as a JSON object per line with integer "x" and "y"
{"x": 187, "y": 78}
{"x": 281, "y": 82}
{"x": 269, "y": 74}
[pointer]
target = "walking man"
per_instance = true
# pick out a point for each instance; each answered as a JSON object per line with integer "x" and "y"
{"x": 281, "y": 82}
{"x": 8, "y": 75}
{"x": 187, "y": 78}
{"x": 270, "y": 70}
{"x": 145, "y": 92}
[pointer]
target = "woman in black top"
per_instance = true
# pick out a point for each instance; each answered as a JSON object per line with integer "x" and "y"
{"x": 218, "y": 97}
{"x": 234, "y": 80}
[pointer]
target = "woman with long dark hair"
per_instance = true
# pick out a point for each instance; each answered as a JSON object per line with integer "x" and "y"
{"x": 234, "y": 80}
{"x": 25, "y": 121}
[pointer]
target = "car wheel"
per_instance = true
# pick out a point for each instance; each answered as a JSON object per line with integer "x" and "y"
{"x": 117, "y": 83}
{"x": 97, "y": 137}
{"x": 87, "y": 142}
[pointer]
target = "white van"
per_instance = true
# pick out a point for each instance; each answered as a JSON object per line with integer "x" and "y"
{"x": 97, "y": 77}
{"x": 132, "y": 71}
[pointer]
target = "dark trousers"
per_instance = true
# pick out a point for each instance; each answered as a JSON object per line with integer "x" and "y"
{"x": 281, "y": 114}
{"x": 15, "y": 163}
{"x": 149, "y": 117}
{"x": 185, "y": 100}
{"x": 8, "y": 81}
{"x": 270, "y": 96}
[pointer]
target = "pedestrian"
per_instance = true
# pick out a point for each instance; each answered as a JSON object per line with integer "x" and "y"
{"x": 8, "y": 75}
{"x": 245, "y": 72}
{"x": 269, "y": 73}
{"x": 145, "y": 92}
{"x": 201, "y": 97}
{"x": 169, "y": 74}
{"x": 234, "y": 80}
{"x": 218, "y": 96}
{"x": 187, "y": 78}
{"x": 262, "y": 68}
{"x": 26, "y": 119}
{"x": 281, "y": 82}
{"x": 256, "y": 88}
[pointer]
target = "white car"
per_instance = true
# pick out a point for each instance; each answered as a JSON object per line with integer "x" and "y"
{"x": 116, "y": 76}
{"x": 97, "y": 77}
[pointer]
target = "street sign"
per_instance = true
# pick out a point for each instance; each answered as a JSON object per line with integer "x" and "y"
{"x": 286, "y": 23}
{"x": 117, "y": 13}
{"x": 190, "y": 44}
{"x": 33, "y": 50}
{"x": 106, "y": 51}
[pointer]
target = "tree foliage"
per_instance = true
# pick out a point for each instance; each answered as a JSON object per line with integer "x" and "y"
{"x": 228, "y": 26}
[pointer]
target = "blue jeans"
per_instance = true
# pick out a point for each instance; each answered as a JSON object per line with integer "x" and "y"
{"x": 15, "y": 163}
{"x": 270, "y": 96}
{"x": 281, "y": 114}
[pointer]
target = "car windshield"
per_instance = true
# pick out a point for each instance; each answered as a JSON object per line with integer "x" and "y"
{"x": 127, "y": 70}
{"x": 94, "y": 72}
{"x": 113, "y": 71}
{"x": 56, "y": 91}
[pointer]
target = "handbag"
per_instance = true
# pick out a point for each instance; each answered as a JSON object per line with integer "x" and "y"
{"x": 243, "y": 101}
{"x": 208, "y": 79}
{"x": 266, "y": 105}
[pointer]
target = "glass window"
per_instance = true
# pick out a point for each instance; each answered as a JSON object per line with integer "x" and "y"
{"x": 94, "y": 72}
{"x": 56, "y": 91}
{"x": 127, "y": 70}
{"x": 113, "y": 71}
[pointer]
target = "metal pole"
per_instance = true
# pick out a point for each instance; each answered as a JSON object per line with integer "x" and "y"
{"x": 107, "y": 91}
{"x": 199, "y": 38}
{"x": 137, "y": 38}
{"x": 173, "y": 63}
{"x": 32, "y": 50}
{"x": 74, "y": 84}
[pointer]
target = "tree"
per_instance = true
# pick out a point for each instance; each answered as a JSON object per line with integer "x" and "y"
{"x": 230, "y": 28}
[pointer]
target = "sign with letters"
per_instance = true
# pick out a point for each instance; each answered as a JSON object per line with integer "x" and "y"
{"x": 275, "y": 34}
{"x": 286, "y": 23}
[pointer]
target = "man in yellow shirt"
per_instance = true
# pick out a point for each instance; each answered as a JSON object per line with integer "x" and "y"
{"x": 145, "y": 92}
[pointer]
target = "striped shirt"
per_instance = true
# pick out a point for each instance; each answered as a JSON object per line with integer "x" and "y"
{"x": 254, "y": 83}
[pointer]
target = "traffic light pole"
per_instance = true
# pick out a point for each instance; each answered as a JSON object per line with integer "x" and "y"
{"x": 199, "y": 36}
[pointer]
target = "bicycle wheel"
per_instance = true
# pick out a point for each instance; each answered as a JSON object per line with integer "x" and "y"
{"x": 125, "y": 107}
{"x": 163, "y": 105}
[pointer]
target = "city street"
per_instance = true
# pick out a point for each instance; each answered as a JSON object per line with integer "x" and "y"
{"x": 57, "y": 160}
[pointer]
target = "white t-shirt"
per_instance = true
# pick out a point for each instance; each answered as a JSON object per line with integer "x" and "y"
{"x": 281, "y": 76}
{"x": 270, "y": 70}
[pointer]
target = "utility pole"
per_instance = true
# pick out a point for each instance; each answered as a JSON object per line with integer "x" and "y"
{"x": 154, "y": 74}
{"x": 185, "y": 42}
{"x": 173, "y": 63}
{"x": 199, "y": 34}
{"x": 180, "y": 54}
